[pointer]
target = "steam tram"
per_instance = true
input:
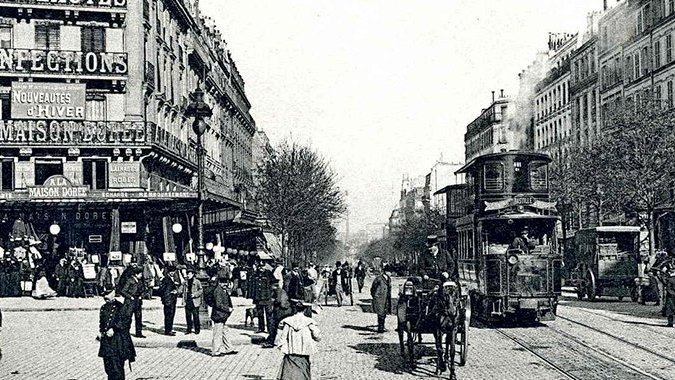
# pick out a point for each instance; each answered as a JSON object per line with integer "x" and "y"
{"x": 508, "y": 274}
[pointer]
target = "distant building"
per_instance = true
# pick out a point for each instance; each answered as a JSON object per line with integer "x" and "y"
{"x": 489, "y": 132}
{"x": 442, "y": 174}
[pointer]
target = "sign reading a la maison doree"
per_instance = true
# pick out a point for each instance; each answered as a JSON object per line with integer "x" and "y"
{"x": 48, "y": 101}
{"x": 57, "y": 186}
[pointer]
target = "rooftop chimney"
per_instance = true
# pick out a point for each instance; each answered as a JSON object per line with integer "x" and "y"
{"x": 493, "y": 96}
{"x": 501, "y": 93}
{"x": 604, "y": 5}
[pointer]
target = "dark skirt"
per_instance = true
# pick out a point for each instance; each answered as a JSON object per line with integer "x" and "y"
{"x": 295, "y": 367}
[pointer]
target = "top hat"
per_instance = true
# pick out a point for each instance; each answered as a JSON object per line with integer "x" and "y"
{"x": 432, "y": 240}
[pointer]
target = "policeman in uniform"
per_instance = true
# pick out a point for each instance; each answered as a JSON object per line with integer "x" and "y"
{"x": 116, "y": 345}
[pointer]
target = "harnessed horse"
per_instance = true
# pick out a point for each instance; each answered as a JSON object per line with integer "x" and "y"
{"x": 445, "y": 311}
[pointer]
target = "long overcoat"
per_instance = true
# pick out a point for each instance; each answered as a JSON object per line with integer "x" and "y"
{"x": 120, "y": 345}
{"x": 670, "y": 296}
{"x": 381, "y": 293}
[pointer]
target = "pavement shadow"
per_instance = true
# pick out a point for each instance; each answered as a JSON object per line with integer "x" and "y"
{"x": 195, "y": 348}
{"x": 369, "y": 329}
{"x": 388, "y": 358}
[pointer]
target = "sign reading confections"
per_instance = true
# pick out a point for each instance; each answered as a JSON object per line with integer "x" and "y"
{"x": 124, "y": 175}
{"x": 63, "y": 62}
{"x": 48, "y": 101}
{"x": 57, "y": 186}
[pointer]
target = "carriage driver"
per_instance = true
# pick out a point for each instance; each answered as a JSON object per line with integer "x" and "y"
{"x": 437, "y": 262}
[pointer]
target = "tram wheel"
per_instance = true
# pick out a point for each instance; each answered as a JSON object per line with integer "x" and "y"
{"x": 590, "y": 287}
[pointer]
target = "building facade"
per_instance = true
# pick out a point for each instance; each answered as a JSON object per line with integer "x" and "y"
{"x": 489, "y": 132}
{"x": 95, "y": 137}
{"x": 584, "y": 89}
{"x": 552, "y": 121}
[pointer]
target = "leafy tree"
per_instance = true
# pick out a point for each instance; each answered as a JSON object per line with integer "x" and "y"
{"x": 298, "y": 193}
{"x": 415, "y": 227}
{"x": 640, "y": 144}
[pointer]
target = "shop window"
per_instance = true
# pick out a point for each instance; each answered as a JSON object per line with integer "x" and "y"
{"x": 7, "y": 175}
{"x": 5, "y": 37}
{"x": 45, "y": 169}
{"x": 95, "y": 174}
{"x": 95, "y": 108}
{"x": 93, "y": 39}
{"x": 48, "y": 36}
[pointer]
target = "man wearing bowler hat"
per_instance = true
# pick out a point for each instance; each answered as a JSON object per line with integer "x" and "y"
{"x": 436, "y": 262}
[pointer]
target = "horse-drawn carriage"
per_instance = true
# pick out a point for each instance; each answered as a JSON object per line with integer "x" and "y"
{"x": 434, "y": 307}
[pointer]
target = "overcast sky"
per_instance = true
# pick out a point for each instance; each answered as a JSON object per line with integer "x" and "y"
{"x": 380, "y": 87}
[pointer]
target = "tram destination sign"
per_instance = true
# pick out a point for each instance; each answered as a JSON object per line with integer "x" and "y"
{"x": 44, "y": 132}
{"x": 62, "y": 101}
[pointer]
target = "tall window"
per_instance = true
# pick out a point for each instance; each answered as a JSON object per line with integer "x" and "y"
{"x": 636, "y": 66}
{"x": 493, "y": 176}
{"x": 671, "y": 6}
{"x": 645, "y": 61}
{"x": 669, "y": 48}
{"x": 669, "y": 87}
{"x": 593, "y": 106}
{"x": 657, "y": 95}
{"x": 48, "y": 36}
{"x": 95, "y": 174}
{"x": 5, "y": 37}
{"x": 7, "y": 175}
{"x": 93, "y": 39}
{"x": 657, "y": 54}
{"x": 95, "y": 108}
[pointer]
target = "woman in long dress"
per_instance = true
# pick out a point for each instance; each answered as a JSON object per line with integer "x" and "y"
{"x": 297, "y": 341}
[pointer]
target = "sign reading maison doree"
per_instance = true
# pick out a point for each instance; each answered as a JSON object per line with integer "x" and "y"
{"x": 57, "y": 186}
{"x": 48, "y": 101}
{"x": 86, "y": 3}
{"x": 43, "y": 132}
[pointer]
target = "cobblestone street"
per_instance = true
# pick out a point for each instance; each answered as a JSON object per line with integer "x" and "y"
{"x": 60, "y": 344}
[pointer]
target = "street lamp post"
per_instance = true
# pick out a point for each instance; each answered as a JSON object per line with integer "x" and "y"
{"x": 199, "y": 110}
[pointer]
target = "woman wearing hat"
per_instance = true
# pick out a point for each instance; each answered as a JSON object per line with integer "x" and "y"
{"x": 297, "y": 341}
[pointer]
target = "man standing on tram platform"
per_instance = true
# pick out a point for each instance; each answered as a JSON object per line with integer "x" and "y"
{"x": 437, "y": 261}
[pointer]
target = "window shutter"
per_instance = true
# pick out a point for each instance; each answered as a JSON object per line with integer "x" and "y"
{"x": 41, "y": 37}
{"x": 86, "y": 39}
{"x": 54, "y": 37}
{"x": 98, "y": 41}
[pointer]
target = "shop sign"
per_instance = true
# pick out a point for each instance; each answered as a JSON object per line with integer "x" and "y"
{"x": 48, "y": 101}
{"x": 95, "y": 238}
{"x": 38, "y": 61}
{"x": 76, "y": 3}
{"x": 34, "y": 193}
{"x": 169, "y": 256}
{"x": 43, "y": 132}
{"x": 57, "y": 186}
{"x": 124, "y": 174}
{"x": 128, "y": 227}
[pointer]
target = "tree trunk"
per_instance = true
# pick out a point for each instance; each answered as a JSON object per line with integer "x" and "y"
{"x": 650, "y": 231}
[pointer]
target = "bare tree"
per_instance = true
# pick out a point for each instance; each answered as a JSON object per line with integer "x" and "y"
{"x": 640, "y": 144}
{"x": 298, "y": 193}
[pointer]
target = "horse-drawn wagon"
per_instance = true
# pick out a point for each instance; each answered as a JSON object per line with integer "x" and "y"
{"x": 434, "y": 307}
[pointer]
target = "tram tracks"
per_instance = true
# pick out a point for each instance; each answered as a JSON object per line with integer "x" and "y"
{"x": 618, "y": 338}
{"x": 570, "y": 356}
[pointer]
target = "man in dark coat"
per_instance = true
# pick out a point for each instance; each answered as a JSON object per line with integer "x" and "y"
{"x": 281, "y": 309}
{"x": 75, "y": 279}
{"x": 168, "y": 290}
{"x": 61, "y": 275}
{"x": 192, "y": 297}
{"x": 222, "y": 309}
{"x": 295, "y": 283}
{"x": 360, "y": 274}
{"x": 436, "y": 261}
{"x": 381, "y": 293}
{"x": 132, "y": 289}
{"x": 116, "y": 345}
{"x": 261, "y": 294}
{"x": 337, "y": 280}
{"x": 669, "y": 275}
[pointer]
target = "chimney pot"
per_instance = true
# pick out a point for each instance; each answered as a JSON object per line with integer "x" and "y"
{"x": 604, "y": 4}
{"x": 493, "y": 96}
{"x": 501, "y": 93}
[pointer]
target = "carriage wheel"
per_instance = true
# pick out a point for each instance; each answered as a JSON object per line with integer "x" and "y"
{"x": 590, "y": 286}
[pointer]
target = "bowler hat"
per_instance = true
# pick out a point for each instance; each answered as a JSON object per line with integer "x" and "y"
{"x": 107, "y": 290}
